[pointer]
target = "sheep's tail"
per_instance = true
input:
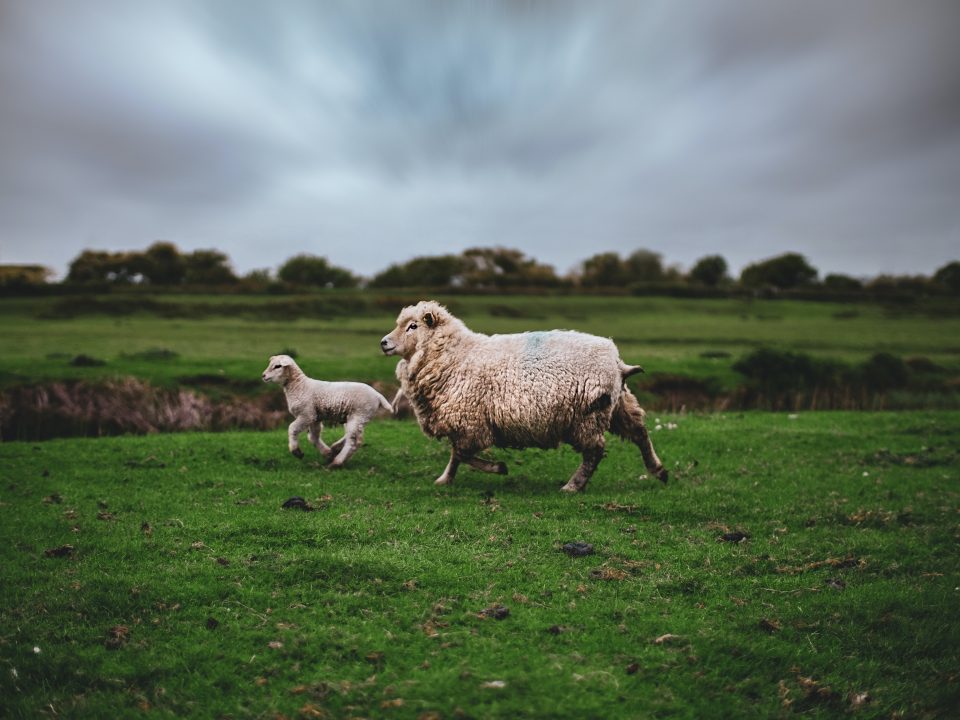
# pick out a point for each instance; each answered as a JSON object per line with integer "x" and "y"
{"x": 628, "y": 370}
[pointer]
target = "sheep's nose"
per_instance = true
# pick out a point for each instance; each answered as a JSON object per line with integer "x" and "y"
{"x": 384, "y": 342}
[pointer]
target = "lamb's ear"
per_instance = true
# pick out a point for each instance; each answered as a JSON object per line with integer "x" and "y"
{"x": 429, "y": 319}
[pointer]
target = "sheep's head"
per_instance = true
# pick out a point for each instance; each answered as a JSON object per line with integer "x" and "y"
{"x": 415, "y": 324}
{"x": 277, "y": 368}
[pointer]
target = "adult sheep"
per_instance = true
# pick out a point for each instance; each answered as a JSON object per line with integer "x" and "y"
{"x": 532, "y": 389}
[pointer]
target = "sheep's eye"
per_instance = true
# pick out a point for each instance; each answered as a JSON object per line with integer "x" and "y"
{"x": 411, "y": 326}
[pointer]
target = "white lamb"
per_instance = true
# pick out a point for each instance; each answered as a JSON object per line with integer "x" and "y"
{"x": 535, "y": 389}
{"x": 314, "y": 401}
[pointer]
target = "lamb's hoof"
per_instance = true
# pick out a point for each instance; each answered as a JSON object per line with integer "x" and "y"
{"x": 335, "y": 465}
{"x": 570, "y": 488}
{"x": 442, "y": 480}
{"x": 501, "y": 468}
{"x": 662, "y": 475}
{"x": 297, "y": 453}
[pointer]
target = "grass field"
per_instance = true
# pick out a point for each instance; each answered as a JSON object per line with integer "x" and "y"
{"x": 159, "y": 576}
{"x": 337, "y": 336}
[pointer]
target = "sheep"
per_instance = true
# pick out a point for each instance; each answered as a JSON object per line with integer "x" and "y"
{"x": 532, "y": 389}
{"x": 312, "y": 402}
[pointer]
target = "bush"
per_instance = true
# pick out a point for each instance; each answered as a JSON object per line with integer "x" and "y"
{"x": 317, "y": 271}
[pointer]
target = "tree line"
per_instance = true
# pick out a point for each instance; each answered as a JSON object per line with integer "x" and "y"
{"x": 489, "y": 269}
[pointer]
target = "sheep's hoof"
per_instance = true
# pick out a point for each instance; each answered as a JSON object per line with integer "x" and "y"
{"x": 297, "y": 453}
{"x": 501, "y": 468}
{"x": 335, "y": 465}
{"x": 442, "y": 480}
{"x": 570, "y": 488}
{"x": 662, "y": 474}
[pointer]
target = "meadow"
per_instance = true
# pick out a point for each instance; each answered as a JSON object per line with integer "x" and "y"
{"x": 800, "y": 563}
{"x": 336, "y": 334}
{"x": 793, "y": 566}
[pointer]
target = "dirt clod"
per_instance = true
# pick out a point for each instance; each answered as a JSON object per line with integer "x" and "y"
{"x": 496, "y": 612}
{"x": 734, "y": 536}
{"x": 577, "y": 549}
{"x": 62, "y": 551}
{"x": 297, "y": 503}
{"x": 117, "y": 637}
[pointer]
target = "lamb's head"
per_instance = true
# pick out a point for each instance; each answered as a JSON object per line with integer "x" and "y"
{"x": 278, "y": 369}
{"x": 415, "y": 325}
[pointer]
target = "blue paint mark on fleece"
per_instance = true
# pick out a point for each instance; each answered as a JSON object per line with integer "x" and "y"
{"x": 533, "y": 350}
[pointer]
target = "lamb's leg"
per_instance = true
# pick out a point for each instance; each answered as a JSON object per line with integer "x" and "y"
{"x": 500, "y": 468}
{"x": 298, "y": 425}
{"x": 352, "y": 437}
{"x": 591, "y": 458}
{"x": 450, "y": 472}
{"x": 314, "y": 435}
{"x": 628, "y": 423}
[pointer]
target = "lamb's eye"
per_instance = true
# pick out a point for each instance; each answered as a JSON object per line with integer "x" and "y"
{"x": 411, "y": 326}
{"x": 277, "y": 367}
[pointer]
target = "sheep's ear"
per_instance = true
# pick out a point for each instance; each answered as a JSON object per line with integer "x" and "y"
{"x": 429, "y": 319}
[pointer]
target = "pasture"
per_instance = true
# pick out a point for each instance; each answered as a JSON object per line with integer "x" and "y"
{"x": 336, "y": 335}
{"x": 796, "y": 564}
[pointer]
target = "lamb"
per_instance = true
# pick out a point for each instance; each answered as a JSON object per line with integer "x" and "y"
{"x": 533, "y": 389}
{"x": 314, "y": 401}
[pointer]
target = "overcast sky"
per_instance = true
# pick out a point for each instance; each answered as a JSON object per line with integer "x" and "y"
{"x": 370, "y": 132}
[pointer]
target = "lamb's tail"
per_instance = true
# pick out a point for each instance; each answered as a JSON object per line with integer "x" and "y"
{"x": 385, "y": 404}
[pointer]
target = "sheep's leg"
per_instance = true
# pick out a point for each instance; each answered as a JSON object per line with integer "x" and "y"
{"x": 336, "y": 447}
{"x": 628, "y": 423}
{"x": 591, "y": 459}
{"x": 314, "y": 435}
{"x": 352, "y": 437}
{"x": 450, "y": 472}
{"x": 500, "y": 468}
{"x": 293, "y": 432}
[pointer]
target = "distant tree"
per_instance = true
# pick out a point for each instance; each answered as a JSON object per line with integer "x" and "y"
{"x": 710, "y": 270}
{"x": 784, "y": 272}
{"x": 23, "y": 277}
{"x": 505, "y": 267}
{"x": 314, "y": 270}
{"x": 90, "y": 266}
{"x": 208, "y": 267}
{"x": 644, "y": 266}
{"x": 949, "y": 277}
{"x": 426, "y": 271}
{"x": 261, "y": 276}
{"x": 604, "y": 270}
{"x": 842, "y": 283}
{"x": 100, "y": 266}
{"x": 160, "y": 264}
{"x": 899, "y": 285}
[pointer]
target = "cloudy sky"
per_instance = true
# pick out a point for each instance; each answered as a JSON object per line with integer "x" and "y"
{"x": 371, "y": 132}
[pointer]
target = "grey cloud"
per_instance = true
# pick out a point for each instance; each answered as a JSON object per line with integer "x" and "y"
{"x": 375, "y": 131}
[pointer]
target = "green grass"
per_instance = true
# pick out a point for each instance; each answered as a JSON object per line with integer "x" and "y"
{"x": 664, "y": 335}
{"x": 847, "y": 584}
